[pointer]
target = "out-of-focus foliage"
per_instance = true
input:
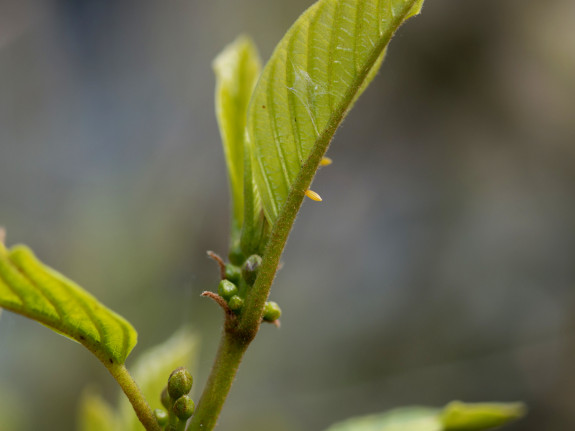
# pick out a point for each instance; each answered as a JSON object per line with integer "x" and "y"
{"x": 96, "y": 414}
{"x": 456, "y": 416}
{"x": 401, "y": 419}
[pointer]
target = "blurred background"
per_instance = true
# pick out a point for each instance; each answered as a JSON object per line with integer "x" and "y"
{"x": 439, "y": 266}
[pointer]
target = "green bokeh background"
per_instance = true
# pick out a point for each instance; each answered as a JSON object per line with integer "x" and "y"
{"x": 439, "y": 266}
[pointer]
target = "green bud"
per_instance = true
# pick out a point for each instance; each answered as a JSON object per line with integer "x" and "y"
{"x": 184, "y": 407}
{"x": 161, "y": 416}
{"x": 250, "y": 268}
{"x": 236, "y": 303}
{"x": 272, "y": 311}
{"x": 165, "y": 398}
{"x": 227, "y": 289}
{"x": 179, "y": 383}
{"x": 233, "y": 273}
{"x": 236, "y": 256}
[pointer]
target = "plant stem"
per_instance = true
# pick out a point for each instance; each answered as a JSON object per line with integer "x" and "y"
{"x": 134, "y": 394}
{"x": 230, "y": 353}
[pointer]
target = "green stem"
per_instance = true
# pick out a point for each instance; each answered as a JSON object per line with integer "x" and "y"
{"x": 230, "y": 353}
{"x": 134, "y": 394}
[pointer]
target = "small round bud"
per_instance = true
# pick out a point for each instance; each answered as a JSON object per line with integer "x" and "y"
{"x": 233, "y": 273}
{"x": 179, "y": 383}
{"x": 236, "y": 303}
{"x": 161, "y": 416}
{"x": 236, "y": 256}
{"x": 272, "y": 311}
{"x": 250, "y": 268}
{"x": 165, "y": 398}
{"x": 227, "y": 289}
{"x": 184, "y": 407}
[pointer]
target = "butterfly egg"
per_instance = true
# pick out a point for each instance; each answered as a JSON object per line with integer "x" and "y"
{"x": 313, "y": 195}
{"x": 325, "y": 161}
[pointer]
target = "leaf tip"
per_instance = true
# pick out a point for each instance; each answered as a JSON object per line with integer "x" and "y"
{"x": 243, "y": 45}
{"x": 479, "y": 416}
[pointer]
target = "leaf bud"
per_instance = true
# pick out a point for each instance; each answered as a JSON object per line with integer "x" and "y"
{"x": 227, "y": 289}
{"x": 165, "y": 398}
{"x": 250, "y": 268}
{"x": 236, "y": 256}
{"x": 272, "y": 311}
{"x": 233, "y": 273}
{"x": 184, "y": 407}
{"x": 161, "y": 416}
{"x": 179, "y": 383}
{"x": 236, "y": 303}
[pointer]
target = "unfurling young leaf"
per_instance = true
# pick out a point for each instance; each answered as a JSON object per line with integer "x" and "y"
{"x": 237, "y": 69}
{"x": 30, "y": 288}
{"x": 313, "y": 78}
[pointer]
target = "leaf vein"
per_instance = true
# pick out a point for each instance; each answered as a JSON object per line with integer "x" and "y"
{"x": 274, "y": 126}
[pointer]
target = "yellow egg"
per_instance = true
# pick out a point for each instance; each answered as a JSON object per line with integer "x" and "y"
{"x": 313, "y": 195}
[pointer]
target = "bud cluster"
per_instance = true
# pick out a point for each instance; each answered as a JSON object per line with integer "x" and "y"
{"x": 178, "y": 404}
{"x": 241, "y": 274}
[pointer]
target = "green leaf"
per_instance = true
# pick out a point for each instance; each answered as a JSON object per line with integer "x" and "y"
{"x": 313, "y": 78}
{"x": 458, "y": 416}
{"x": 152, "y": 370}
{"x": 95, "y": 414}
{"x": 30, "y": 288}
{"x": 237, "y": 69}
{"x": 401, "y": 419}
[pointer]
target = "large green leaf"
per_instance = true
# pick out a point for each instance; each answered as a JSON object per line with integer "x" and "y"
{"x": 313, "y": 78}
{"x": 456, "y": 416}
{"x": 30, "y": 288}
{"x": 237, "y": 69}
